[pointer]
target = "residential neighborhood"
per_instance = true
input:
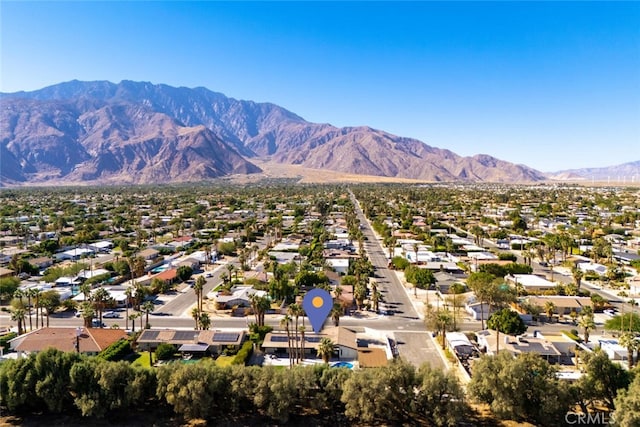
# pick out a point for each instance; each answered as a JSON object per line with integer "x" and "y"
{"x": 439, "y": 275}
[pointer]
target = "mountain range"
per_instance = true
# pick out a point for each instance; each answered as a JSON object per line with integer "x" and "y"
{"x": 626, "y": 172}
{"x": 137, "y": 132}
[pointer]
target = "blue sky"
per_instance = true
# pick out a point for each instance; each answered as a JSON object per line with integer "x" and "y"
{"x": 554, "y": 85}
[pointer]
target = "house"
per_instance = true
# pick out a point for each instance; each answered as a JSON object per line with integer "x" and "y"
{"x": 180, "y": 243}
{"x": 530, "y": 282}
{"x": 6, "y": 272}
{"x": 346, "y": 345}
{"x": 148, "y": 254}
{"x": 41, "y": 262}
{"x": 102, "y": 246}
{"x": 190, "y": 262}
{"x": 74, "y": 254}
{"x": 202, "y": 342}
{"x": 240, "y": 297}
{"x": 479, "y": 311}
{"x": 84, "y": 340}
{"x": 339, "y": 265}
{"x": 169, "y": 276}
{"x": 613, "y": 349}
{"x": 535, "y": 343}
{"x": 591, "y": 267}
{"x": 562, "y": 304}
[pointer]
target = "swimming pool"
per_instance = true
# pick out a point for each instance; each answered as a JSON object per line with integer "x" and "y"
{"x": 160, "y": 268}
{"x": 342, "y": 365}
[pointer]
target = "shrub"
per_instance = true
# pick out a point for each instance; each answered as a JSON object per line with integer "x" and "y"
{"x": 116, "y": 351}
{"x": 165, "y": 351}
{"x": 244, "y": 354}
{"x": 4, "y": 340}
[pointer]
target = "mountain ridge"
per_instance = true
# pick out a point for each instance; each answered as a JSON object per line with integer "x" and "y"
{"x": 140, "y": 132}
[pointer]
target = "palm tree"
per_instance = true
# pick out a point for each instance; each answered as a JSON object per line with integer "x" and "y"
{"x": 325, "y": 349}
{"x": 195, "y": 314}
{"x": 230, "y": 268}
{"x": 29, "y": 294}
{"x": 18, "y": 315}
{"x": 578, "y": 274}
{"x": 295, "y": 311}
{"x": 198, "y": 288}
{"x": 85, "y": 289}
{"x": 439, "y": 321}
{"x": 286, "y": 320}
{"x": 587, "y": 322}
{"x": 205, "y": 321}
{"x": 133, "y": 317}
{"x": 629, "y": 341}
{"x": 129, "y": 294}
{"x": 18, "y": 303}
{"x": 87, "y": 313}
{"x": 549, "y": 309}
{"x": 302, "y": 331}
{"x": 147, "y": 308}
{"x": 336, "y": 312}
{"x": 100, "y": 299}
{"x": 35, "y": 293}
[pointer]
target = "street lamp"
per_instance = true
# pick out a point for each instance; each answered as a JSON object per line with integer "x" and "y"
{"x": 78, "y": 333}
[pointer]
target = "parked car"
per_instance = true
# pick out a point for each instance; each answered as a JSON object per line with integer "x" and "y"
{"x": 110, "y": 315}
{"x": 96, "y": 323}
{"x": 208, "y": 275}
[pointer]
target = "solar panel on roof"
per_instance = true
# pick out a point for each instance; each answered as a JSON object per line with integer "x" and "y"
{"x": 279, "y": 338}
{"x": 184, "y": 335}
{"x": 150, "y": 335}
{"x": 225, "y": 337}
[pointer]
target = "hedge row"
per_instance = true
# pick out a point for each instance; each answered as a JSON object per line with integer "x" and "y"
{"x": 244, "y": 354}
{"x": 116, "y": 351}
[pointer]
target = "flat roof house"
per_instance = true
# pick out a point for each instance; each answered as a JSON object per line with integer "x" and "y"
{"x": 85, "y": 340}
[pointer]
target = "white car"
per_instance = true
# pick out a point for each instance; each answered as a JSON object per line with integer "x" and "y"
{"x": 110, "y": 315}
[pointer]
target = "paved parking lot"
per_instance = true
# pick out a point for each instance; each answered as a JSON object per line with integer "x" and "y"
{"x": 418, "y": 348}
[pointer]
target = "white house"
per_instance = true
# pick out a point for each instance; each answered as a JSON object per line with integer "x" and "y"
{"x": 530, "y": 282}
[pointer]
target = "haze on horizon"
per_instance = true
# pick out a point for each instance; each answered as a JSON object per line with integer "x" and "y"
{"x": 550, "y": 85}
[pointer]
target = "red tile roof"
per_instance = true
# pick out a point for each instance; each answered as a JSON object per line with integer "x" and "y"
{"x": 92, "y": 340}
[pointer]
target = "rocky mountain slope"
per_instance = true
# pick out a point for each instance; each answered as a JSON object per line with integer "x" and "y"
{"x": 140, "y": 132}
{"x": 629, "y": 172}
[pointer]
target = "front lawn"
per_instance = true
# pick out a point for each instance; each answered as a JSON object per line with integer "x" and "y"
{"x": 224, "y": 360}
{"x": 141, "y": 359}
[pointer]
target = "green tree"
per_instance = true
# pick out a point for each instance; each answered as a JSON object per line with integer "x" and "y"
{"x": 198, "y": 288}
{"x": 147, "y": 308}
{"x": 205, "y": 321}
{"x": 602, "y": 380}
{"x": 587, "y": 322}
{"x": 629, "y": 340}
{"x": 8, "y": 286}
{"x": 627, "y": 404}
{"x": 184, "y": 273}
{"x": 524, "y": 388}
{"x": 325, "y": 349}
{"x": 438, "y": 320}
{"x": 507, "y": 321}
{"x": 439, "y": 398}
{"x": 480, "y": 283}
{"x": 419, "y": 277}
{"x": 50, "y": 301}
{"x": 165, "y": 351}
{"x": 101, "y": 299}
{"x": 629, "y": 322}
